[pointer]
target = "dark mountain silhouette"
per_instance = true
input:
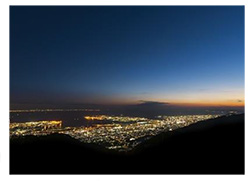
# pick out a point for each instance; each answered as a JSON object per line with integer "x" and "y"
{"x": 209, "y": 147}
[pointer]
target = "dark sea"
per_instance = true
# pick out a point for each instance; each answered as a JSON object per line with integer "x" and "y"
{"x": 76, "y": 118}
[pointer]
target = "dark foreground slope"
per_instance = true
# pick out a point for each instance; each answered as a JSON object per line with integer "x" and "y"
{"x": 209, "y": 147}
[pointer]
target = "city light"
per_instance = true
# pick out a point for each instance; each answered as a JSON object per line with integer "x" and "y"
{"x": 120, "y": 133}
{"x": 35, "y": 128}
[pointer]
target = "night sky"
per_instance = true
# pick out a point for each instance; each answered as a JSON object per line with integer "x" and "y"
{"x": 127, "y": 55}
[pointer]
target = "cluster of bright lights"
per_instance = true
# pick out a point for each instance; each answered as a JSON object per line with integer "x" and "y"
{"x": 115, "y": 118}
{"x": 35, "y": 128}
{"x": 91, "y": 118}
{"x": 124, "y": 137}
{"x": 120, "y": 133}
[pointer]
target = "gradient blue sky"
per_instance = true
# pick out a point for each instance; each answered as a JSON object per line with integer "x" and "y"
{"x": 121, "y": 55}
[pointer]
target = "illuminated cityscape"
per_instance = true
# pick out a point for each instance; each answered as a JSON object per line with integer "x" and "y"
{"x": 122, "y": 133}
{"x": 115, "y": 118}
{"x": 34, "y": 128}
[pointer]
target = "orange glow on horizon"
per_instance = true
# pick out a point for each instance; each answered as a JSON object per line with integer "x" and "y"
{"x": 215, "y": 104}
{"x": 188, "y": 103}
{"x": 214, "y": 99}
